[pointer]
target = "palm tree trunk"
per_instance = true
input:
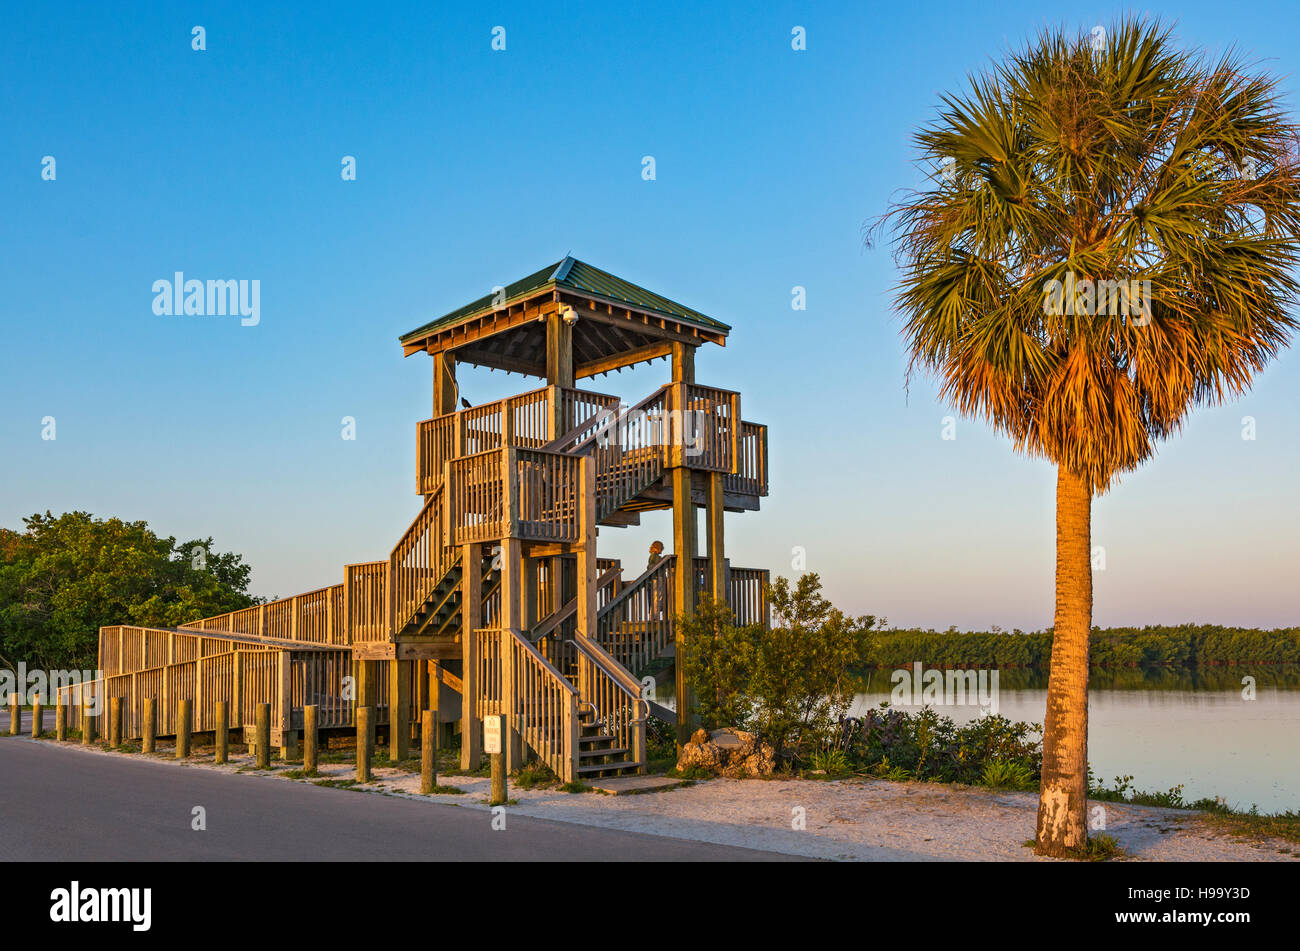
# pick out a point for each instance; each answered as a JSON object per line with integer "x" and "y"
{"x": 1063, "y": 801}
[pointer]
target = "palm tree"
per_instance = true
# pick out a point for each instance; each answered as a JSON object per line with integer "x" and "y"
{"x": 1106, "y": 240}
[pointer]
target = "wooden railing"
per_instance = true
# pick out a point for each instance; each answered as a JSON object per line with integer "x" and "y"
{"x": 287, "y": 680}
{"x": 487, "y": 650}
{"x": 313, "y": 617}
{"x": 613, "y": 696}
{"x": 542, "y": 706}
{"x": 629, "y": 451}
{"x": 365, "y": 601}
{"x": 418, "y": 562}
{"x": 636, "y": 626}
{"x": 547, "y": 487}
{"x": 746, "y": 591}
{"x": 750, "y": 476}
{"x": 747, "y": 594}
{"x": 525, "y": 421}
{"x": 477, "y": 499}
{"x": 706, "y": 424}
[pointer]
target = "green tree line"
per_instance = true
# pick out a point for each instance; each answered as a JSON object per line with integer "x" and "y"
{"x": 1155, "y": 645}
{"x": 63, "y": 577}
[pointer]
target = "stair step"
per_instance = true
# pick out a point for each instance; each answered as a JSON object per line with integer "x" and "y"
{"x": 606, "y": 768}
{"x": 600, "y": 738}
{"x": 610, "y": 751}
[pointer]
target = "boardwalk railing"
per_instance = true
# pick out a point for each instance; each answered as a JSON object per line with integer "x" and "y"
{"x": 314, "y": 617}
{"x": 287, "y": 680}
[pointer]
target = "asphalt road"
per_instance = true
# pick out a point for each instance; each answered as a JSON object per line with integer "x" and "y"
{"x": 59, "y": 804}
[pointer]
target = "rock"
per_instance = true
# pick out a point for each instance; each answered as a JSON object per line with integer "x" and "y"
{"x": 728, "y": 752}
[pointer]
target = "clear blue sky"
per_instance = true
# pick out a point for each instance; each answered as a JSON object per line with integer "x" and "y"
{"x": 475, "y": 167}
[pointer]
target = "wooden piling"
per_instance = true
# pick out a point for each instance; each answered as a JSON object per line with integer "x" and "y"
{"x": 149, "y": 729}
{"x": 15, "y": 715}
{"x": 184, "y": 710}
{"x": 429, "y": 752}
{"x": 115, "y": 722}
{"x": 363, "y": 744}
{"x": 87, "y": 719}
{"x": 60, "y": 720}
{"x": 263, "y": 736}
{"x": 498, "y": 776}
{"x": 38, "y": 717}
{"x": 309, "y": 756}
{"x": 222, "y": 712}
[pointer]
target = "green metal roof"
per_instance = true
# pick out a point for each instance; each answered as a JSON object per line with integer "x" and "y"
{"x": 578, "y": 276}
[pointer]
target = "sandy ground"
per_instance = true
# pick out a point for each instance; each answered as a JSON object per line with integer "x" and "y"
{"x": 846, "y": 820}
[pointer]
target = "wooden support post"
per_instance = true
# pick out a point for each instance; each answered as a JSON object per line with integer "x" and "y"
{"x": 87, "y": 718}
{"x": 586, "y": 561}
{"x": 511, "y": 617}
{"x": 38, "y": 717}
{"x": 713, "y": 509}
{"x": 15, "y": 715}
{"x": 310, "y": 759}
{"x": 237, "y": 695}
{"x": 149, "y": 729}
{"x": 444, "y": 383}
{"x": 638, "y": 745}
{"x": 435, "y": 691}
{"x": 471, "y": 606}
{"x": 184, "y": 723}
{"x": 499, "y": 776}
{"x": 528, "y": 587}
{"x": 429, "y": 752}
{"x": 497, "y": 746}
{"x": 683, "y": 362}
{"x": 262, "y": 741}
{"x": 60, "y": 720}
{"x": 222, "y": 714}
{"x": 367, "y": 692}
{"x": 115, "y": 722}
{"x": 399, "y": 705}
{"x": 559, "y": 351}
{"x": 284, "y": 708}
{"x": 683, "y": 590}
{"x": 363, "y": 743}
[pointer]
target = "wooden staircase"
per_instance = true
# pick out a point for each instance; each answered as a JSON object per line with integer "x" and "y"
{"x": 598, "y": 757}
{"x": 440, "y": 615}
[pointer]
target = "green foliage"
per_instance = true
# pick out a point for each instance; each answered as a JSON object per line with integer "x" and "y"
{"x": 1000, "y": 774}
{"x": 833, "y": 762}
{"x": 1151, "y": 646}
{"x": 926, "y": 746}
{"x": 719, "y": 663}
{"x": 791, "y": 684}
{"x": 65, "y": 577}
{"x": 1099, "y": 848}
{"x": 661, "y": 740}
{"x": 534, "y": 775}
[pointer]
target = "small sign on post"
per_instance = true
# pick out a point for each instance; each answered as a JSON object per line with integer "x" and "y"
{"x": 492, "y": 734}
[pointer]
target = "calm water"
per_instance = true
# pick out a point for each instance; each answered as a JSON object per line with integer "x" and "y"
{"x": 1166, "y": 729}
